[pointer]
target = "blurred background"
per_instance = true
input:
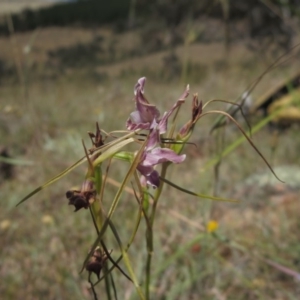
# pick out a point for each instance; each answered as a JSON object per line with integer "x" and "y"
{"x": 66, "y": 64}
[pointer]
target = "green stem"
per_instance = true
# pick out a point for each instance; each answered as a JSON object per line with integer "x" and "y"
{"x": 127, "y": 261}
{"x": 96, "y": 206}
{"x": 149, "y": 232}
{"x": 97, "y": 216}
{"x": 107, "y": 287}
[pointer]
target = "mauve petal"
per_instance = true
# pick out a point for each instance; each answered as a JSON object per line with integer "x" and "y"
{"x": 139, "y": 92}
{"x": 162, "y": 126}
{"x": 143, "y": 181}
{"x": 137, "y": 122}
{"x": 133, "y": 126}
{"x": 150, "y": 179}
{"x": 153, "y": 139}
{"x": 145, "y": 112}
{"x": 139, "y": 87}
{"x": 163, "y": 123}
{"x": 145, "y": 170}
{"x": 153, "y": 179}
{"x": 185, "y": 93}
{"x": 160, "y": 155}
{"x": 148, "y": 112}
{"x": 153, "y": 125}
{"x": 135, "y": 116}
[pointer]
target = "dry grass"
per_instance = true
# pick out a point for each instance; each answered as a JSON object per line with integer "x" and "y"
{"x": 44, "y": 242}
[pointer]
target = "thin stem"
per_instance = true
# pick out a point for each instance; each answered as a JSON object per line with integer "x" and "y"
{"x": 113, "y": 286}
{"x": 107, "y": 286}
{"x": 127, "y": 261}
{"x": 126, "y": 249}
{"x": 245, "y": 136}
{"x": 92, "y": 288}
{"x": 96, "y": 206}
{"x": 115, "y": 264}
{"x": 149, "y": 232}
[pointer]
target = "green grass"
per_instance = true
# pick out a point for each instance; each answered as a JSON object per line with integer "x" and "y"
{"x": 43, "y": 243}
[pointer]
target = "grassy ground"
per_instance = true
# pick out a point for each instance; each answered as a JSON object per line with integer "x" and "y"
{"x": 47, "y": 110}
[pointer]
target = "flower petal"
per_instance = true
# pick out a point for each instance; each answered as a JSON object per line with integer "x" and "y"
{"x": 162, "y": 126}
{"x": 159, "y": 155}
{"x": 139, "y": 87}
{"x": 145, "y": 112}
{"x": 154, "y": 138}
{"x": 153, "y": 179}
{"x": 133, "y": 126}
{"x": 145, "y": 170}
{"x": 149, "y": 175}
{"x": 185, "y": 93}
{"x": 136, "y": 117}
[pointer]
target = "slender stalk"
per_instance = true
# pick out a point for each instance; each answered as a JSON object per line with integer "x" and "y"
{"x": 240, "y": 140}
{"x": 107, "y": 287}
{"x": 97, "y": 216}
{"x": 127, "y": 261}
{"x": 149, "y": 232}
{"x": 92, "y": 288}
{"x": 96, "y": 206}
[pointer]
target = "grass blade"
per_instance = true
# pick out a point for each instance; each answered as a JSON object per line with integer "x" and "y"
{"x": 197, "y": 194}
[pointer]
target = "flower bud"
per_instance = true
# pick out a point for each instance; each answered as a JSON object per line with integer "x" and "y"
{"x": 187, "y": 129}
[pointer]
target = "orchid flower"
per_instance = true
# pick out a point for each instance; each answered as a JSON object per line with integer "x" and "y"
{"x": 147, "y": 115}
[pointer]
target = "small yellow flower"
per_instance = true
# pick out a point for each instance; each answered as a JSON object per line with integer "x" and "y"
{"x": 47, "y": 219}
{"x": 212, "y": 226}
{"x": 5, "y": 224}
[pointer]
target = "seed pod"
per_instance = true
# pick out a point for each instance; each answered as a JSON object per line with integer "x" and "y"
{"x": 96, "y": 262}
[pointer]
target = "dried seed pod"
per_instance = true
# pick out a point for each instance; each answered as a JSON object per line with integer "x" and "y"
{"x": 96, "y": 262}
{"x": 79, "y": 201}
{"x": 84, "y": 197}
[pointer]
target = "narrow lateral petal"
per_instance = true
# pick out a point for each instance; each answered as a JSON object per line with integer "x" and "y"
{"x": 160, "y": 155}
